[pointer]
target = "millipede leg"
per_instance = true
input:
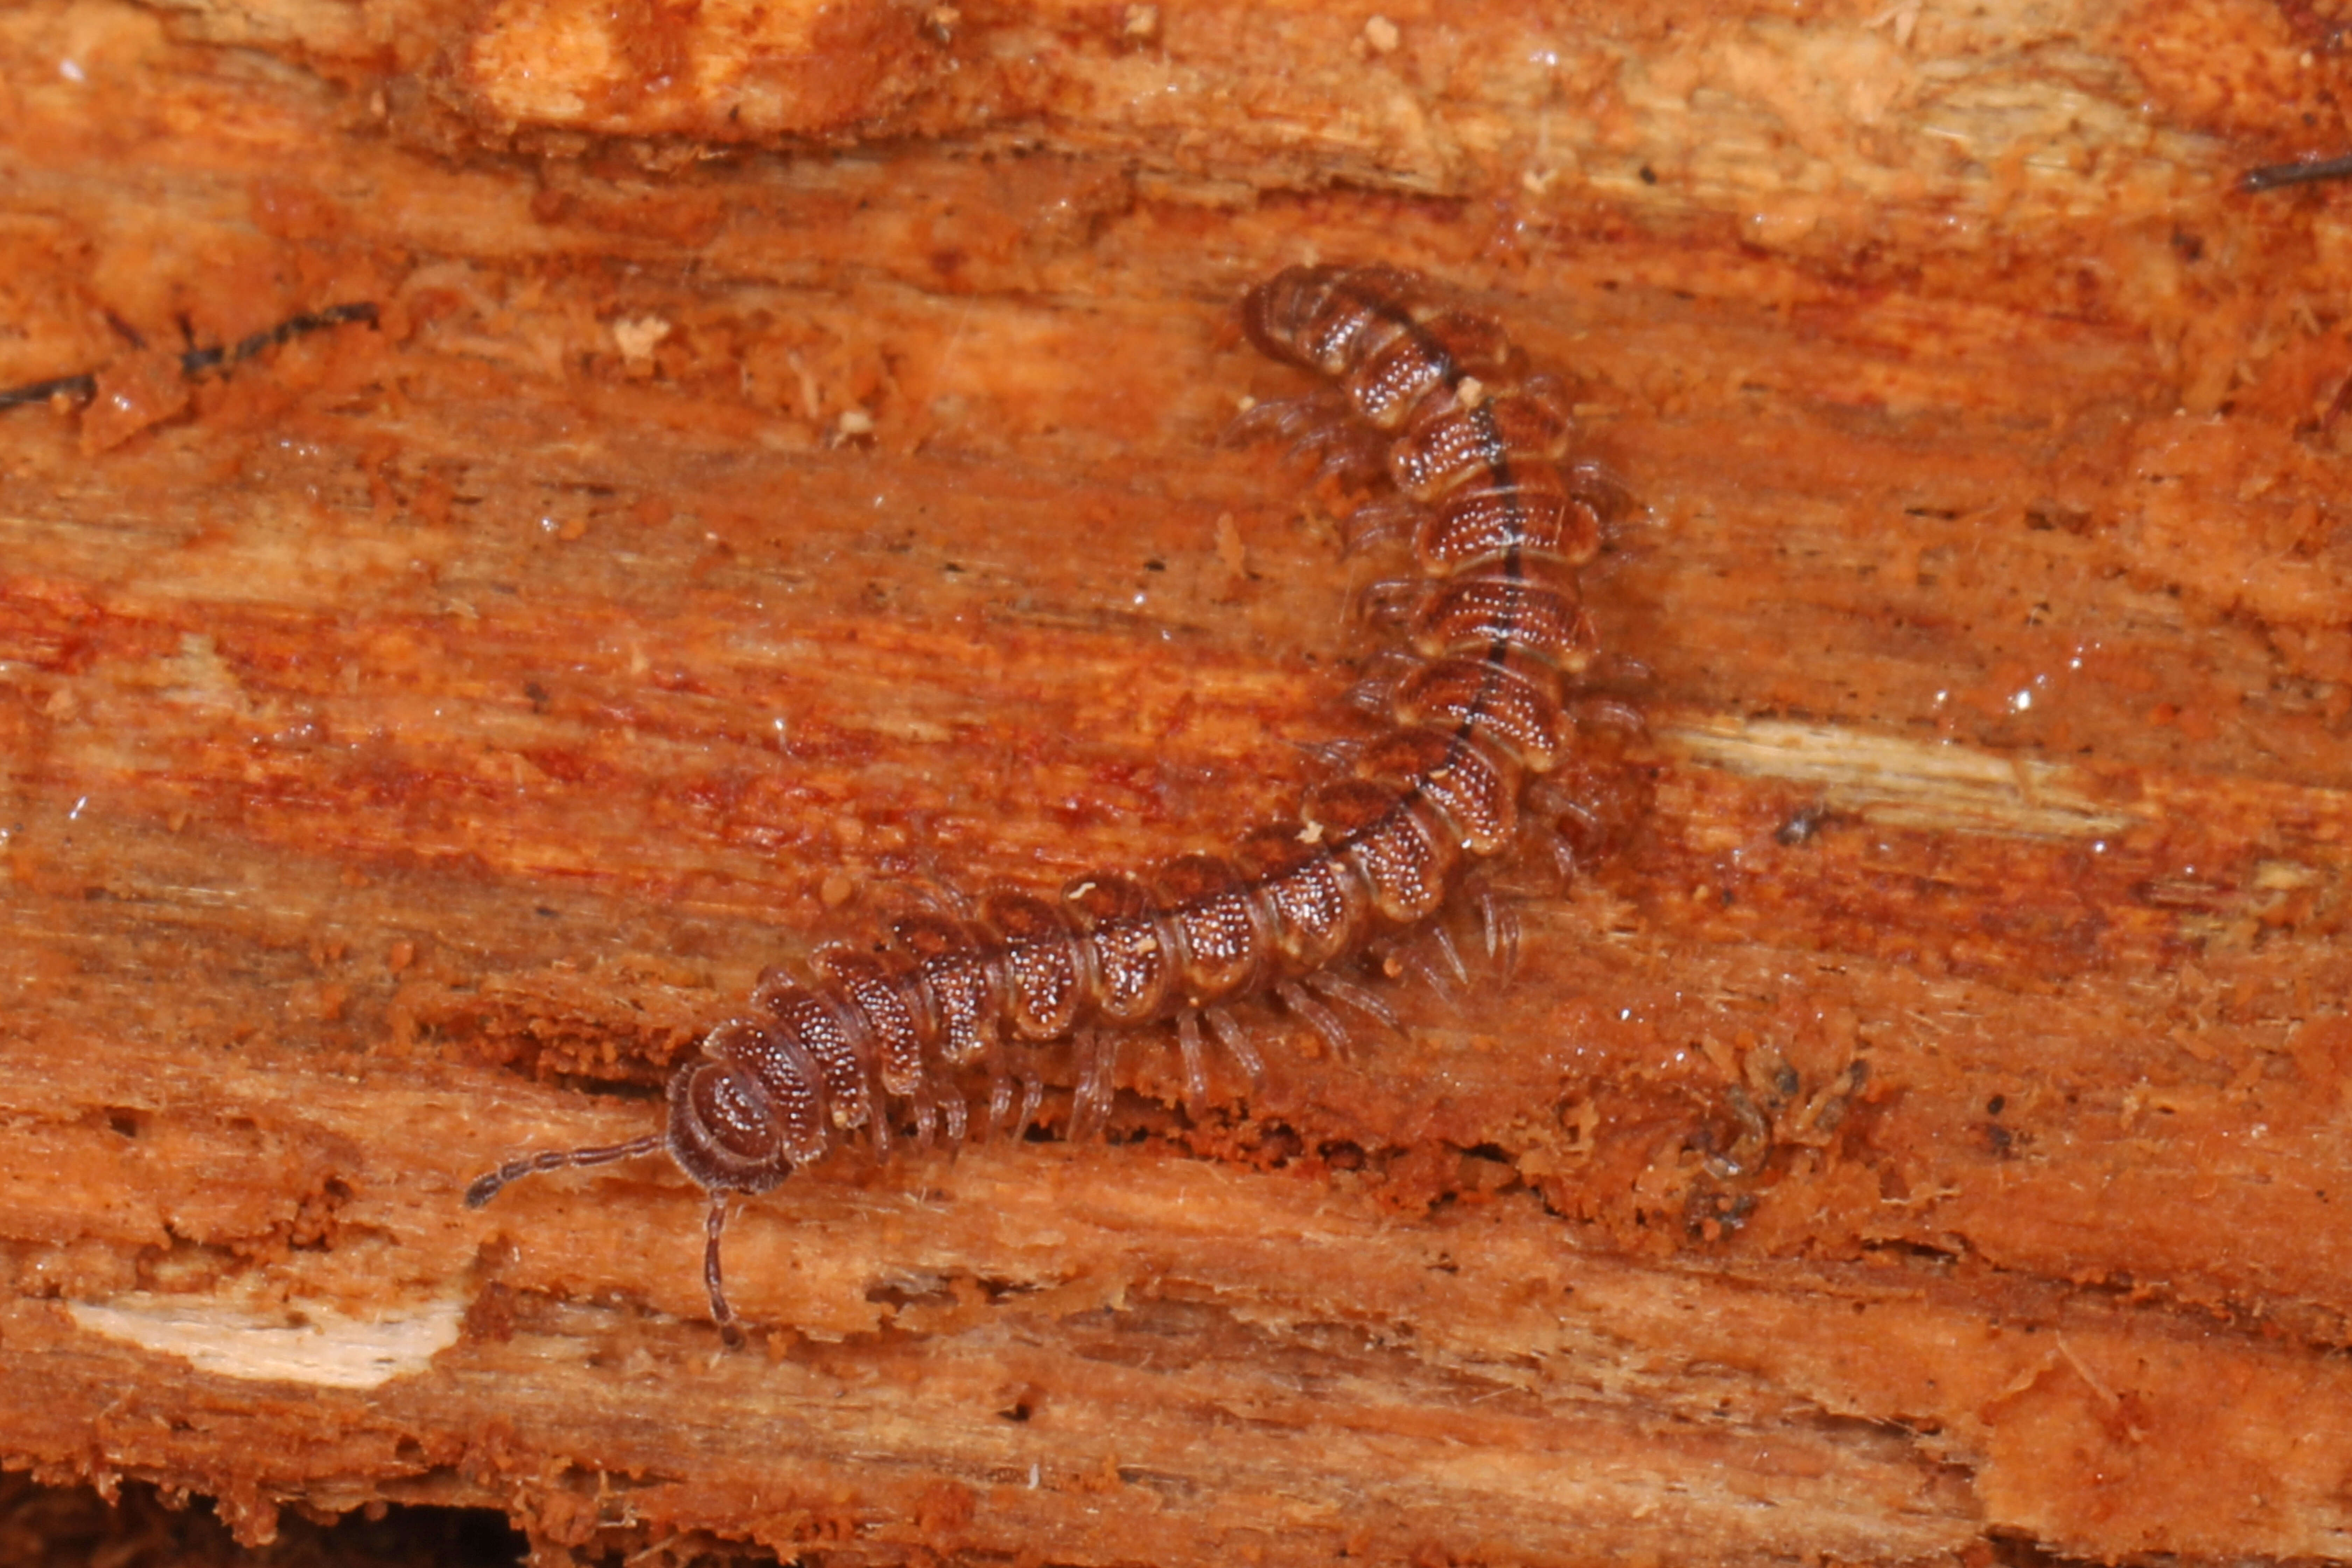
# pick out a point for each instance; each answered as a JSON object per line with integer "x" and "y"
{"x": 937, "y": 896}
{"x": 1108, "y": 1043}
{"x": 1400, "y": 959}
{"x": 1609, "y": 715}
{"x": 1385, "y": 672}
{"x": 1332, "y": 756}
{"x": 1082, "y": 1063}
{"x": 991, "y": 1124}
{"x": 1361, "y": 998}
{"x": 1542, "y": 841}
{"x": 1033, "y": 1095}
{"x": 1288, "y": 417}
{"x": 1388, "y": 605}
{"x": 1600, "y": 488}
{"x": 1090, "y": 1109}
{"x": 1315, "y": 1016}
{"x": 1196, "y": 1071}
{"x": 1382, "y": 520}
{"x": 1499, "y": 925}
{"x": 1236, "y": 1039}
{"x": 1355, "y": 456}
{"x": 1442, "y": 940}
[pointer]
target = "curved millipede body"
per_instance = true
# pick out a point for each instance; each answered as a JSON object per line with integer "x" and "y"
{"x": 1473, "y": 460}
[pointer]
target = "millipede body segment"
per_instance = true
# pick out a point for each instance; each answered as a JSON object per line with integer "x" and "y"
{"x": 1473, "y": 463}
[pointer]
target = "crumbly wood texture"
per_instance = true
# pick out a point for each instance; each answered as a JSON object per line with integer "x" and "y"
{"x": 784, "y": 478}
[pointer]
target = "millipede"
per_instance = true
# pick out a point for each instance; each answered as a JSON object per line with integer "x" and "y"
{"x": 1492, "y": 742}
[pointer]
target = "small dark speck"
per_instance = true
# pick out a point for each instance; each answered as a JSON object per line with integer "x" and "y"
{"x": 544, "y": 912}
{"x": 951, "y": 566}
{"x": 1801, "y": 826}
{"x": 1649, "y": 175}
{"x": 1155, "y": 566}
{"x": 2001, "y": 1138}
{"x": 537, "y": 693}
{"x": 1018, "y": 1413}
{"x": 1995, "y": 1105}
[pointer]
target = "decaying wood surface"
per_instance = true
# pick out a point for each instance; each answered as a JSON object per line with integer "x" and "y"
{"x": 784, "y": 476}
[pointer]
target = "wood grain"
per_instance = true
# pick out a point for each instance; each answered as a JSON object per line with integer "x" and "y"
{"x": 785, "y": 476}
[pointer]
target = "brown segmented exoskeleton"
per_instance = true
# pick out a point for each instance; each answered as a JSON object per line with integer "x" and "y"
{"x": 1474, "y": 461}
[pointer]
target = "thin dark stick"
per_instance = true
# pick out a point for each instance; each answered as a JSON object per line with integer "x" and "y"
{"x": 195, "y": 361}
{"x": 2270, "y": 176}
{"x": 79, "y": 388}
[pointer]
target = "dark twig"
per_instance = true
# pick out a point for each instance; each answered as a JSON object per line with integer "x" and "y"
{"x": 79, "y": 388}
{"x": 2270, "y": 176}
{"x": 196, "y": 361}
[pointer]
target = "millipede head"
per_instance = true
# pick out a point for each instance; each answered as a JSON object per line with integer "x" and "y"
{"x": 739, "y": 1119}
{"x": 752, "y": 1109}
